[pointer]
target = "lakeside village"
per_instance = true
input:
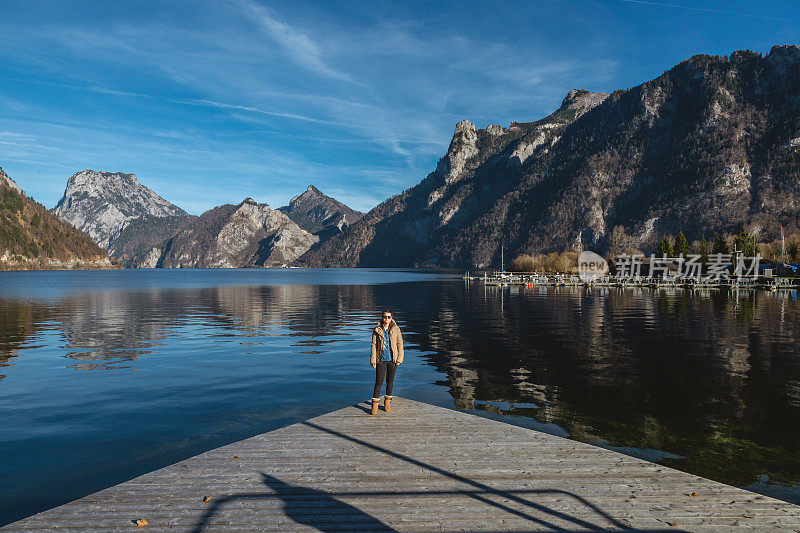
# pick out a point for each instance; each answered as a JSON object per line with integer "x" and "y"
{"x": 720, "y": 267}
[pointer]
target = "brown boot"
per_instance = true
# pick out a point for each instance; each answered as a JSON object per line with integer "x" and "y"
{"x": 387, "y": 403}
{"x": 375, "y": 406}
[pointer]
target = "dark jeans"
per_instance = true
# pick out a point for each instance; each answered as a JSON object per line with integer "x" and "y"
{"x": 384, "y": 368}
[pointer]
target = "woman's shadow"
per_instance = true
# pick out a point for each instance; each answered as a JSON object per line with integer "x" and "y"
{"x": 364, "y": 406}
{"x": 327, "y": 513}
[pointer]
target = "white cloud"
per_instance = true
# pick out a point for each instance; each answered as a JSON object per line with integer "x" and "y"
{"x": 300, "y": 47}
{"x": 256, "y": 109}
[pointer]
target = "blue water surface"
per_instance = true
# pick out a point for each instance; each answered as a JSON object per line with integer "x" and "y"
{"x": 106, "y": 375}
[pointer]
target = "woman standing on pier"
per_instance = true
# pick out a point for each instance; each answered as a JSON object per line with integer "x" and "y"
{"x": 385, "y": 356}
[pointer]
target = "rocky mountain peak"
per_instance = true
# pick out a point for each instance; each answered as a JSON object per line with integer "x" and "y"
{"x": 101, "y": 203}
{"x": 250, "y": 234}
{"x": 90, "y": 177}
{"x": 465, "y": 127}
{"x": 494, "y": 129}
{"x": 8, "y": 182}
{"x": 311, "y": 194}
{"x": 320, "y": 214}
{"x": 784, "y": 57}
{"x": 257, "y": 213}
{"x": 785, "y": 50}
{"x": 581, "y": 100}
{"x": 463, "y": 146}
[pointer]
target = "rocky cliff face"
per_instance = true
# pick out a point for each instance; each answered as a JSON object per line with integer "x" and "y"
{"x": 320, "y": 214}
{"x": 31, "y": 237}
{"x": 711, "y": 144}
{"x": 102, "y": 203}
{"x": 8, "y": 182}
{"x": 231, "y": 236}
{"x": 140, "y": 236}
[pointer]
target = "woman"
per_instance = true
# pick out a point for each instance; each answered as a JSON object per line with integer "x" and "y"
{"x": 386, "y": 355}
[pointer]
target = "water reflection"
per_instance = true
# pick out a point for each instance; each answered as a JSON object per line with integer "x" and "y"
{"x": 104, "y": 328}
{"x": 709, "y": 377}
{"x": 707, "y": 382}
{"x": 18, "y": 320}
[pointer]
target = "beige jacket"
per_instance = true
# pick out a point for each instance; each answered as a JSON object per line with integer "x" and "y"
{"x": 395, "y": 342}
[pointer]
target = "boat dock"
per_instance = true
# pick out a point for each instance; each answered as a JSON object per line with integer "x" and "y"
{"x": 534, "y": 279}
{"x": 417, "y": 468}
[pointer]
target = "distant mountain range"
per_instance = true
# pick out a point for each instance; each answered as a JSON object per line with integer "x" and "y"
{"x": 31, "y": 237}
{"x": 711, "y": 144}
{"x": 139, "y": 228}
{"x": 708, "y": 146}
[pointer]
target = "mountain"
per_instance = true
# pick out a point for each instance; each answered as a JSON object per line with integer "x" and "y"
{"x": 139, "y": 236}
{"x": 711, "y": 144}
{"x": 102, "y": 203}
{"x": 320, "y": 214}
{"x": 478, "y": 168}
{"x": 31, "y": 237}
{"x": 231, "y": 236}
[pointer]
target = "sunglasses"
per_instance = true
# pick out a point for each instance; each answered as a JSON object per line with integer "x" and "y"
{"x": 387, "y": 316}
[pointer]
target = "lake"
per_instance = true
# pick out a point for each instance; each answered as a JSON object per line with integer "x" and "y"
{"x": 106, "y": 375}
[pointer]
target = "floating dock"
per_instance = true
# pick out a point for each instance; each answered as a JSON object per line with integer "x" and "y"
{"x": 417, "y": 468}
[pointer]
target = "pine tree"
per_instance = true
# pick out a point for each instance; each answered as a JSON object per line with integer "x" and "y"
{"x": 720, "y": 246}
{"x": 681, "y": 245}
{"x": 703, "y": 250}
{"x": 742, "y": 242}
{"x": 746, "y": 243}
{"x": 665, "y": 248}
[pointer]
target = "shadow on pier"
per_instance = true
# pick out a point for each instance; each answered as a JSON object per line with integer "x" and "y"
{"x": 327, "y": 511}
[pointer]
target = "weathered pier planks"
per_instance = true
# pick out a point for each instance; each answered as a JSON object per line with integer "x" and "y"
{"x": 418, "y": 468}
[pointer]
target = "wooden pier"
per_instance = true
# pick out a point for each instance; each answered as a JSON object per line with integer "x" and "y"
{"x": 417, "y": 468}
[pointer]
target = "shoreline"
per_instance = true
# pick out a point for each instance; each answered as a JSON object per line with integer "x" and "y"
{"x": 17, "y": 267}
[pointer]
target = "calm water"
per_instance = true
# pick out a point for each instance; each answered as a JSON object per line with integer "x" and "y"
{"x": 108, "y": 375}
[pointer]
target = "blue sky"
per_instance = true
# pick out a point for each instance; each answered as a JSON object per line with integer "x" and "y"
{"x": 211, "y": 102}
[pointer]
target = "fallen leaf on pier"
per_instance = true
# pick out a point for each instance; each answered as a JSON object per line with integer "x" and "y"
{"x": 693, "y": 495}
{"x": 206, "y": 499}
{"x": 673, "y": 524}
{"x": 143, "y": 522}
{"x": 236, "y": 457}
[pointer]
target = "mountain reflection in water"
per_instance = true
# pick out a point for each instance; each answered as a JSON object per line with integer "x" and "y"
{"x": 107, "y": 376}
